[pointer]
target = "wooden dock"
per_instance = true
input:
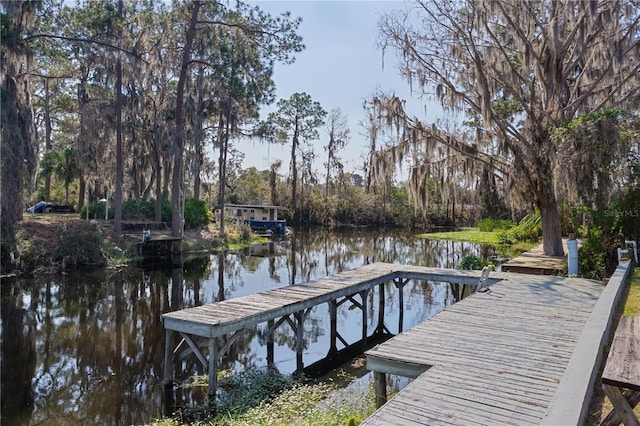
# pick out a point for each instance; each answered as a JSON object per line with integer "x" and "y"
{"x": 493, "y": 358}
{"x": 526, "y": 351}
{"x": 202, "y": 327}
{"x": 536, "y": 262}
{"x": 159, "y": 244}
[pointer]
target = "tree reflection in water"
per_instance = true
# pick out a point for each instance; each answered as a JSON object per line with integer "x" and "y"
{"x": 88, "y": 348}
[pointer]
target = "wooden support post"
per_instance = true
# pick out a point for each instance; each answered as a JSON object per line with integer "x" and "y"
{"x": 168, "y": 373}
{"x": 270, "y": 345}
{"x": 380, "y": 385}
{"x": 381, "y": 304}
{"x": 363, "y": 295}
{"x": 299, "y": 341}
{"x": 333, "y": 318}
{"x": 213, "y": 367}
{"x": 400, "y": 283}
{"x": 168, "y": 357}
{"x": 613, "y": 419}
{"x": 401, "y": 307}
{"x": 621, "y": 405}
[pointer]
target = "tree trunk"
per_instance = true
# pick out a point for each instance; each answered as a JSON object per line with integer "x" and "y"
{"x": 178, "y": 146}
{"x": 221, "y": 178}
{"x": 47, "y": 136}
{"x": 222, "y": 165}
{"x": 294, "y": 175}
{"x": 329, "y": 161}
{"x": 117, "y": 213}
{"x": 197, "y": 182}
{"x": 82, "y": 188}
{"x": 16, "y": 145}
{"x": 551, "y": 229}
{"x": 158, "y": 188}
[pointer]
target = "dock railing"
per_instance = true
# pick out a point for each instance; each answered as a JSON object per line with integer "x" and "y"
{"x": 572, "y": 399}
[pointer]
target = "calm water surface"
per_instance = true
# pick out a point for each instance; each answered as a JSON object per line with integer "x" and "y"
{"x": 88, "y": 348}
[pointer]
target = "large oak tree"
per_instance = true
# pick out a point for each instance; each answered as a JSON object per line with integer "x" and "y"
{"x": 518, "y": 69}
{"x": 16, "y": 113}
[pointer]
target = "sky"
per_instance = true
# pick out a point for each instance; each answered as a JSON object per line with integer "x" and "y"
{"x": 340, "y": 67}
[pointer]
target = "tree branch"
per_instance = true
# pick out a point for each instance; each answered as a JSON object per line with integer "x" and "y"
{"x": 85, "y": 40}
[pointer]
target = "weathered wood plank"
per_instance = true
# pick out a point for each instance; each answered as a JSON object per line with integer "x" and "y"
{"x": 622, "y": 368}
{"x": 496, "y": 357}
{"x": 466, "y": 411}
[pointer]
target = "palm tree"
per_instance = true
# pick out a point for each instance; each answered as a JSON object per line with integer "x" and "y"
{"x": 66, "y": 169}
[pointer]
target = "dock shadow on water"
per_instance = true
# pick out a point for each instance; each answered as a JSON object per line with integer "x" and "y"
{"x": 88, "y": 348}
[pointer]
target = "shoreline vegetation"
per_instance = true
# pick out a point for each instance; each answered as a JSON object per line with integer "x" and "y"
{"x": 494, "y": 239}
{"x": 57, "y": 243}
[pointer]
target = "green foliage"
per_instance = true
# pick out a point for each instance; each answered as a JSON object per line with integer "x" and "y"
{"x": 145, "y": 209}
{"x": 632, "y": 304}
{"x": 528, "y": 229}
{"x": 80, "y": 244}
{"x": 592, "y": 257}
{"x": 597, "y": 116}
{"x": 604, "y": 231}
{"x": 250, "y": 187}
{"x": 238, "y": 393}
{"x": 96, "y": 211}
{"x": 472, "y": 262}
{"x": 267, "y": 397}
{"x": 29, "y": 256}
{"x": 507, "y": 108}
{"x": 5, "y": 28}
{"x": 490, "y": 224}
{"x": 244, "y": 234}
{"x": 114, "y": 255}
{"x": 196, "y": 213}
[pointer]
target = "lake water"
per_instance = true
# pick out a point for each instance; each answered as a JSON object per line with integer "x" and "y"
{"x": 88, "y": 348}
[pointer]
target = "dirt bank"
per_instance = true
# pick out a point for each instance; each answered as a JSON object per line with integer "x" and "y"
{"x": 38, "y": 235}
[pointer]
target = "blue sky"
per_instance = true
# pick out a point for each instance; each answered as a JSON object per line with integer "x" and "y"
{"x": 340, "y": 66}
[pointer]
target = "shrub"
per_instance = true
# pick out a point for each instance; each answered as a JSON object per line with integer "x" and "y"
{"x": 238, "y": 393}
{"x": 80, "y": 244}
{"x": 592, "y": 258}
{"x": 490, "y": 224}
{"x": 145, "y": 209}
{"x": 472, "y": 262}
{"x": 196, "y": 213}
{"x": 528, "y": 229}
{"x": 245, "y": 233}
{"x": 96, "y": 211}
{"x": 30, "y": 255}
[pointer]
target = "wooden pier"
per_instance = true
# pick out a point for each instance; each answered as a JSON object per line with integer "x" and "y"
{"x": 536, "y": 262}
{"x": 499, "y": 357}
{"x": 201, "y": 328}
{"x": 159, "y": 244}
{"x": 525, "y": 351}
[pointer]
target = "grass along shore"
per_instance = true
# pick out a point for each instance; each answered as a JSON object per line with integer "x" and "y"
{"x": 494, "y": 239}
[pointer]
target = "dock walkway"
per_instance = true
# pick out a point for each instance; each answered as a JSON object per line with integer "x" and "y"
{"x": 498, "y": 357}
{"x": 289, "y": 305}
{"x": 536, "y": 262}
